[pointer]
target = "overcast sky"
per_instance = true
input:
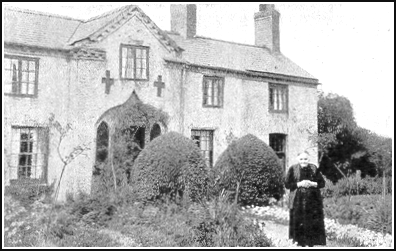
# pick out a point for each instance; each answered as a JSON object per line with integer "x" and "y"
{"x": 349, "y": 47}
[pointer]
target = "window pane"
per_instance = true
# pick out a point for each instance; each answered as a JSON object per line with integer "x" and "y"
{"x": 215, "y": 92}
{"x": 25, "y": 65}
{"x": 23, "y": 88}
{"x": 7, "y": 76}
{"x": 24, "y": 134}
{"x": 138, "y": 53}
{"x": 280, "y": 99}
{"x": 7, "y": 63}
{"x": 7, "y": 88}
{"x": 14, "y": 64}
{"x": 22, "y": 172}
{"x": 32, "y": 77}
{"x": 22, "y": 160}
{"x": 130, "y": 63}
{"x": 28, "y": 171}
{"x": 32, "y": 66}
{"x": 25, "y": 76}
{"x": 29, "y": 160}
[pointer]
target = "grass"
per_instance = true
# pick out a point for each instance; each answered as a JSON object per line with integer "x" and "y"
{"x": 89, "y": 222}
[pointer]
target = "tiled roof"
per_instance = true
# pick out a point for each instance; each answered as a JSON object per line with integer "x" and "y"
{"x": 94, "y": 24}
{"x": 37, "y": 28}
{"x": 235, "y": 56}
{"x": 53, "y": 31}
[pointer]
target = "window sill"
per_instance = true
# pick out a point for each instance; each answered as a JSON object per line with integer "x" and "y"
{"x": 207, "y": 106}
{"x": 20, "y": 95}
{"x": 133, "y": 79}
{"x": 35, "y": 182}
{"x": 279, "y": 112}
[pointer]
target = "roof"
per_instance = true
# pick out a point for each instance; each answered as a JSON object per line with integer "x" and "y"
{"x": 43, "y": 30}
{"x": 242, "y": 57}
{"x": 37, "y": 28}
{"x": 58, "y": 32}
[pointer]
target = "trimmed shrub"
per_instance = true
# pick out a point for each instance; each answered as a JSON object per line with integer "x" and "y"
{"x": 170, "y": 165}
{"x": 252, "y": 164}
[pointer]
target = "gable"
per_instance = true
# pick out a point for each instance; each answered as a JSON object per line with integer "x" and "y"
{"x": 99, "y": 28}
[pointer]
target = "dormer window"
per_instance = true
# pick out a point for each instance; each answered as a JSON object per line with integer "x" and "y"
{"x": 134, "y": 62}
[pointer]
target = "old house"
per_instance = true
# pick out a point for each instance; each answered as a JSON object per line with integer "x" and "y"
{"x": 85, "y": 73}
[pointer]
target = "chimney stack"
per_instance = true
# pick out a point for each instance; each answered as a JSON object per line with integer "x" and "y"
{"x": 266, "y": 24}
{"x": 184, "y": 19}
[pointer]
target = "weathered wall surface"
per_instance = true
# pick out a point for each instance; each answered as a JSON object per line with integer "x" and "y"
{"x": 246, "y": 110}
{"x": 53, "y": 84}
{"x": 74, "y": 92}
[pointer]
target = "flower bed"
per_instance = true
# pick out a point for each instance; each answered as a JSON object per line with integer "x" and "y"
{"x": 334, "y": 230}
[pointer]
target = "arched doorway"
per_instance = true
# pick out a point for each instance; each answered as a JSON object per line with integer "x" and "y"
{"x": 155, "y": 131}
{"x": 102, "y": 142}
{"x": 133, "y": 124}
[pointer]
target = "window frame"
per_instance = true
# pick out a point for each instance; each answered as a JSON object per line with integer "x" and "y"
{"x": 134, "y": 47}
{"x": 44, "y": 178}
{"x": 211, "y": 141}
{"x": 284, "y": 145}
{"x": 220, "y": 94}
{"x": 283, "y": 88}
{"x": 36, "y": 69}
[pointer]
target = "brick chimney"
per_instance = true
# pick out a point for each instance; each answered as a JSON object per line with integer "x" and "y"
{"x": 266, "y": 24}
{"x": 184, "y": 19}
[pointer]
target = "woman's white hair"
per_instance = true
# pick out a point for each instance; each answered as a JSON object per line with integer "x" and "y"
{"x": 305, "y": 151}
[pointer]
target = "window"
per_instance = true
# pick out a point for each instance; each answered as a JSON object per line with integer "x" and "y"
{"x": 102, "y": 142}
{"x": 29, "y": 153}
{"x": 278, "y": 98}
{"x": 21, "y": 75}
{"x": 155, "y": 131}
{"x": 204, "y": 140}
{"x": 278, "y": 144}
{"x": 134, "y": 62}
{"x": 213, "y": 88}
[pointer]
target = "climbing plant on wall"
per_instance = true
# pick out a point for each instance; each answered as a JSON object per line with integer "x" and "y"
{"x": 132, "y": 125}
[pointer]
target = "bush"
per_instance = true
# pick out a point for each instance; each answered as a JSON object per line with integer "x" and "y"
{"x": 253, "y": 165}
{"x": 354, "y": 185}
{"x": 171, "y": 165}
{"x": 380, "y": 218}
{"x": 91, "y": 210}
{"x": 27, "y": 192}
{"x": 366, "y": 211}
{"x": 219, "y": 223}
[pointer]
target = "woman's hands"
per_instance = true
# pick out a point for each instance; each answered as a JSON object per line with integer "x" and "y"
{"x": 307, "y": 184}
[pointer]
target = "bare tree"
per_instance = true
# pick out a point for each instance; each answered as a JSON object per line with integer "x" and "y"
{"x": 65, "y": 158}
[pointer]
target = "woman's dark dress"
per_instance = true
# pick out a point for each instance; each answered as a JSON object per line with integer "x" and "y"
{"x": 306, "y": 213}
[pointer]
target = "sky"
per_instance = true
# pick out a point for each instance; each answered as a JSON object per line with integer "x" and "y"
{"x": 349, "y": 47}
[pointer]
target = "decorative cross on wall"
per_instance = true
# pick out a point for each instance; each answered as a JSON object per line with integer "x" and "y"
{"x": 108, "y": 81}
{"x": 159, "y": 84}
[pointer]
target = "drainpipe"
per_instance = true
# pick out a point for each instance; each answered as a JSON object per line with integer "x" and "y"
{"x": 182, "y": 98}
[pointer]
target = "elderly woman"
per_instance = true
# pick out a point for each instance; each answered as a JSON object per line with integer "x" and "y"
{"x": 305, "y": 203}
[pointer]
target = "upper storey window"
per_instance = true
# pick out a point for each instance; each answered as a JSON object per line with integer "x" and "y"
{"x": 134, "y": 62}
{"x": 21, "y": 75}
